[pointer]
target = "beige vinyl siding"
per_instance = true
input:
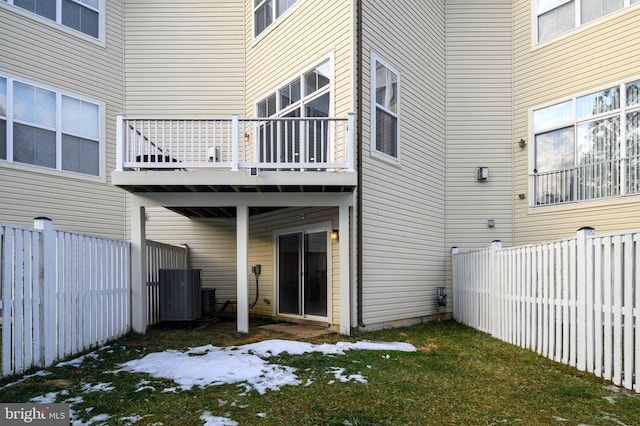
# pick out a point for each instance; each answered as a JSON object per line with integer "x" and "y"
{"x": 591, "y": 57}
{"x": 184, "y": 58}
{"x": 310, "y": 31}
{"x": 403, "y": 205}
{"x": 45, "y": 54}
{"x": 212, "y": 248}
{"x": 479, "y": 111}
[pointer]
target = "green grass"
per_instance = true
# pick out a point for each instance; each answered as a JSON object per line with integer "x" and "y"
{"x": 458, "y": 377}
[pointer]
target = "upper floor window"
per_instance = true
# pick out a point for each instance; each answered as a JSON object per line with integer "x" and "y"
{"x": 588, "y": 147}
{"x": 266, "y": 12}
{"x": 385, "y": 113}
{"x": 306, "y": 96}
{"x": 45, "y": 128}
{"x": 556, "y": 17}
{"x": 80, "y": 15}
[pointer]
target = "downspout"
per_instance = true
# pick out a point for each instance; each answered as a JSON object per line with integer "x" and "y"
{"x": 359, "y": 106}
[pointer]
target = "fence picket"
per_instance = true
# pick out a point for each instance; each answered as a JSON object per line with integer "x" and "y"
{"x": 636, "y": 239}
{"x": 18, "y": 317}
{"x": 598, "y": 327}
{"x": 589, "y": 306}
{"x": 627, "y": 312}
{"x": 617, "y": 310}
{"x": 6, "y": 262}
{"x": 552, "y": 302}
{"x": 38, "y": 355}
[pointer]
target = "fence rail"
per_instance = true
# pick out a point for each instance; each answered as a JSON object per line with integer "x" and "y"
{"x": 294, "y": 143}
{"x": 576, "y": 301}
{"x": 62, "y": 293}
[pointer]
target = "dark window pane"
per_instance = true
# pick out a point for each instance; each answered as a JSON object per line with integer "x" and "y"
{"x": 80, "y": 155}
{"x": 3, "y": 97}
{"x": 80, "y": 18}
{"x": 32, "y": 145}
{"x": 3, "y": 140}
{"x": 386, "y": 133}
{"x": 46, "y": 8}
{"x": 263, "y": 17}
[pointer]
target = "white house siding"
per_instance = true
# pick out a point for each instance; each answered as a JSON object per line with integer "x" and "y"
{"x": 479, "y": 111}
{"x": 212, "y": 248}
{"x": 308, "y": 32}
{"x": 403, "y": 208}
{"x": 45, "y": 54}
{"x": 184, "y": 58}
{"x": 599, "y": 54}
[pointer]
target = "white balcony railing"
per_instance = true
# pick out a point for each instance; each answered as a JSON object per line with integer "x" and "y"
{"x": 605, "y": 179}
{"x": 146, "y": 143}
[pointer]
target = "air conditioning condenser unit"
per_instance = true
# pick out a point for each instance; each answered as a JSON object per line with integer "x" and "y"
{"x": 180, "y": 298}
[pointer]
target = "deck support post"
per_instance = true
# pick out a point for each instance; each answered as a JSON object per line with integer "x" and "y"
{"x": 242, "y": 262}
{"x": 345, "y": 270}
{"x": 138, "y": 267}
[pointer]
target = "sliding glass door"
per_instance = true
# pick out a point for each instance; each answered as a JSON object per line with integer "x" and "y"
{"x": 302, "y": 274}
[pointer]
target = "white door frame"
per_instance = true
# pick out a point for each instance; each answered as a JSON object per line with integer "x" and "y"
{"x": 308, "y": 228}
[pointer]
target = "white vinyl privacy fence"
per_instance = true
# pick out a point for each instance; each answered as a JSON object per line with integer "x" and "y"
{"x": 576, "y": 301}
{"x": 62, "y": 293}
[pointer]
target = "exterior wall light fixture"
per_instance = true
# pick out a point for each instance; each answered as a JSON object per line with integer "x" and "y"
{"x": 334, "y": 235}
{"x": 522, "y": 143}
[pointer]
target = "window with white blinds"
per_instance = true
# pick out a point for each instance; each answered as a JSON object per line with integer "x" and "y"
{"x": 557, "y": 17}
{"x": 80, "y": 15}
{"x": 46, "y": 128}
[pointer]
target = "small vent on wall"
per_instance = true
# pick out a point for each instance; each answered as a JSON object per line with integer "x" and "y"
{"x": 482, "y": 173}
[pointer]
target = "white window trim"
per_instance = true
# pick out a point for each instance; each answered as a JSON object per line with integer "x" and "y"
{"x": 627, "y": 7}
{"x": 57, "y": 24}
{"x": 9, "y": 163}
{"x": 374, "y": 152}
{"x": 303, "y": 98}
{"x": 622, "y": 111}
{"x": 274, "y": 24}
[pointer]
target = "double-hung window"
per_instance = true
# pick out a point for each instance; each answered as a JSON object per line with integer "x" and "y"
{"x": 266, "y": 12}
{"x": 303, "y": 138}
{"x": 385, "y": 116}
{"x": 45, "y": 128}
{"x": 556, "y": 17}
{"x": 588, "y": 147}
{"x": 80, "y": 15}
{"x": 3, "y": 118}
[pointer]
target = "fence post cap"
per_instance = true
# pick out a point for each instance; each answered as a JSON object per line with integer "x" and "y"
{"x": 587, "y": 228}
{"x": 455, "y": 250}
{"x": 42, "y": 223}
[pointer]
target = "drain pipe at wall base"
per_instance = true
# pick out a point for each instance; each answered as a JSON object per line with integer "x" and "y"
{"x": 360, "y": 103}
